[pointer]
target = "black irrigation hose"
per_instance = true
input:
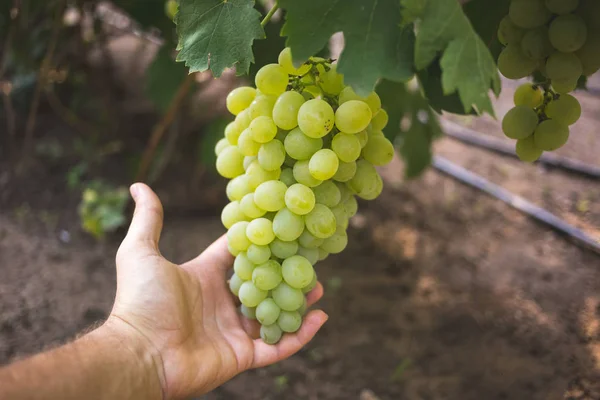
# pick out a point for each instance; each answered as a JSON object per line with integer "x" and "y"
{"x": 467, "y": 177}
{"x": 472, "y": 137}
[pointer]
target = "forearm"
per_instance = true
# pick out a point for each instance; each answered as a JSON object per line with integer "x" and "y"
{"x": 107, "y": 363}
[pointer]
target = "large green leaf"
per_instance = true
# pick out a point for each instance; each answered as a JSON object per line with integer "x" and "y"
{"x": 217, "y": 34}
{"x": 375, "y": 47}
{"x": 485, "y": 16}
{"x": 163, "y": 78}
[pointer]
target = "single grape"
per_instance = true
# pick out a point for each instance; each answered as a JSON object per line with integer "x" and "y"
{"x": 221, "y": 145}
{"x": 351, "y": 206}
{"x": 267, "y": 312}
{"x": 380, "y": 120}
{"x": 302, "y": 174}
{"x": 287, "y": 225}
{"x": 508, "y": 32}
{"x": 257, "y": 175}
{"x": 270, "y": 195}
{"x": 285, "y": 111}
{"x": 270, "y": 334}
{"x": 309, "y": 241}
{"x": 250, "y": 295}
{"x": 347, "y": 147}
{"x": 297, "y": 271}
{"x": 311, "y": 285}
{"x": 249, "y": 208}
{"x": 526, "y": 150}
{"x": 519, "y": 122}
{"x": 282, "y": 249}
{"x": 299, "y": 199}
{"x": 345, "y": 171}
{"x": 271, "y": 79}
{"x": 243, "y": 119}
{"x": 287, "y": 177}
{"x": 341, "y": 216}
{"x": 258, "y": 254}
{"x": 374, "y": 191}
{"x": 562, "y": 7}
{"x": 232, "y": 251}
{"x": 301, "y": 147}
{"x": 528, "y": 95}
{"x": 248, "y": 312}
{"x": 327, "y": 194}
{"x": 536, "y": 44}
{"x": 563, "y": 67}
{"x": 568, "y": 33}
{"x": 262, "y": 129}
{"x": 513, "y": 64}
{"x": 287, "y": 297}
{"x": 529, "y": 14}
{"x": 237, "y": 188}
{"x": 353, "y": 116}
{"x": 267, "y": 276}
{"x": 232, "y": 132}
{"x": 316, "y": 118}
{"x": 286, "y": 61}
{"x": 332, "y": 83}
{"x": 366, "y": 182}
{"x": 551, "y": 135}
{"x": 564, "y": 86}
{"x": 378, "y": 151}
{"x": 247, "y": 145}
{"x": 249, "y": 160}
{"x": 262, "y": 106}
{"x": 231, "y": 214}
{"x": 336, "y": 243}
{"x": 236, "y": 236}
{"x": 230, "y": 162}
{"x": 260, "y": 231}
{"x": 312, "y": 255}
{"x": 323, "y": 164}
{"x": 239, "y": 99}
{"x": 321, "y": 221}
{"x": 589, "y": 53}
{"x": 289, "y": 321}
{"x": 235, "y": 283}
{"x": 565, "y": 110}
{"x": 372, "y": 100}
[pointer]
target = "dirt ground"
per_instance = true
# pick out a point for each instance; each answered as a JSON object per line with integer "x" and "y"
{"x": 442, "y": 293}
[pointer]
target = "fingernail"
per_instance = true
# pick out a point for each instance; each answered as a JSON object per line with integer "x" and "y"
{"x": 134, "y": 190}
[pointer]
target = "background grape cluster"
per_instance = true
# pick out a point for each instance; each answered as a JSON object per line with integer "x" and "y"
{"x": 560, "y": 41}
{"x": 302, "y": 147}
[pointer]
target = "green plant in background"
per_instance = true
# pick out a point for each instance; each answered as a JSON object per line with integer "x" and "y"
{"x": 102, "y": 208}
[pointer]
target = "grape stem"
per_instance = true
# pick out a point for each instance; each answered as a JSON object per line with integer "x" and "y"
{"x": 269, "y": 15}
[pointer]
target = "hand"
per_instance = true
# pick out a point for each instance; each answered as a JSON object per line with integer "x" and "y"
{"x": 185, "y": 314}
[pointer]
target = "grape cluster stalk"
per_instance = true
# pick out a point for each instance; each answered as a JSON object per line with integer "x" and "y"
{"x": 560, "y": 40}
{"x": 301, "y": 149}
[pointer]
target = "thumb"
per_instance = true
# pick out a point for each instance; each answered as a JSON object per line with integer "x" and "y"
{"x": 146, "y": 224}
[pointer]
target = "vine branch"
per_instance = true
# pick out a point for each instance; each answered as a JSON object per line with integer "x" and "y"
{"x": 269, "y": 15}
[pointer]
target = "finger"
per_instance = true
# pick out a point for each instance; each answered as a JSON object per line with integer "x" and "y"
{"x": 146, "y": 224}
{"x": 216, "y": 256}
{"x": 267, "y": 354}
{"x": 314, "y": 295}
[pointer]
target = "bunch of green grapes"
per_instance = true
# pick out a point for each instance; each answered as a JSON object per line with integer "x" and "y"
{"x": 302, "y": 148}
{"x": 560, "y": 39}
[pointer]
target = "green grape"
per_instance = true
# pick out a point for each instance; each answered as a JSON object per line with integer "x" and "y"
{"x": 528, "y": 95}
{"x": 551, "y": 135}
{"x": 565, "y": 86}
{"x": 243, "y": 120}
{"x": 249, "y": 208}
{"x": 301, "y": 147}
{"x": 262, "y": 129}
{"x": 247, "y": 145}
{"x": 380, "y": 120}
{"x": 320, "y": 221}
{"x": 282, "y": 249}
{"x": 267, "y": 312}
{"x": 237, "y": 188}
{"x": 270, "y": 334}
{"x": 536, "y": 44}
{"x": 372, "y": 100}
{"x": 234, "y": 284}
{"x": 332, "y": 83}
{"x": 297, "y": 271}
{"x": 231, "y": 214}
{"x": 519, "y": 122}
{"x": 316, "y": 118}
{"x": 302, "y": 174}
{"x": 344, "y": 191}
{"x": 375, "y": 190}
{"x": 378, "y": 151}
{"x": 232, "y": 251}
{"x": 513, "y": 64}
{"x": 287, "y": 177}
{"x": 243, "y": 267}
{"x": 526, "y": 150}
{"x": 287, "y": 297}
{"x": 260, "y": 231}
{"x": 250, "y": 295}
{"x": 509, "y": 33}
{"x": 363, "y": 138}
{"x": 240, "y": 99}
{"x": 351, "y": 206}
{"x": 529, "y": 14}
{"x": 271, "y": 155}
{"x": 285, "y": 112}
{"x": 299, "y": 199}
{"x": 312, "y": 255}
{"x": 267, "y": 276}
{"x": 232, "y": 132}
{"x": 289, "y": 321}
{"x": 221, "y": 145}
{"x": 327, "y": 194}
{"x": 171, "y": 9}
{"x": 262, "y": 106}
{"x": 374, "y": 133}
{"x": 303, "y": 307}
{"x": 309, "y": 241}
{"x": 565, "y": 110}
{"x": 353, "y": 116}
{"x": 311, "y": 285}
{"x": 270, "y": 195}
{"x": 248, "y": 312}
{"x": 347, "y": 147}
{"x": 336, "y": 243}
{"x": 287, "y": 225}
{"x": 562, "y": 7}
{"x": 323, "y": 164}
{"x": 257, "y": 175}
{"x": 563, "y": 67}
{"x": 366, "y": 180}
{"x": 345, "y": 171}
{"x": 230, "y": 162}
{"x": 271, "y": 79}
{"x": 286, "y": 62}
{"x": 341, "y": 216}
{"x": 589, "y": 54}
{"x": 568, "y": 33}
{"x": 258, "y": 254}
{"x": 249, "y": 160}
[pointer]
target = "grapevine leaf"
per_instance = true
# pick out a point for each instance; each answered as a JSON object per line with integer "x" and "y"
{"x": 416, "y": 150}
{"x": 217, "y": 34}
{"x": 430, "y": 80}
{"x": 375, "y": 46}
{"x": 266, "y": 51}
{"x": 485, "y": 16}
{"x": 163, "y": 78}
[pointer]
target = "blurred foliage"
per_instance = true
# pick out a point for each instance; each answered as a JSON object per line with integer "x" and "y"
{"x": 102, "y": 208}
